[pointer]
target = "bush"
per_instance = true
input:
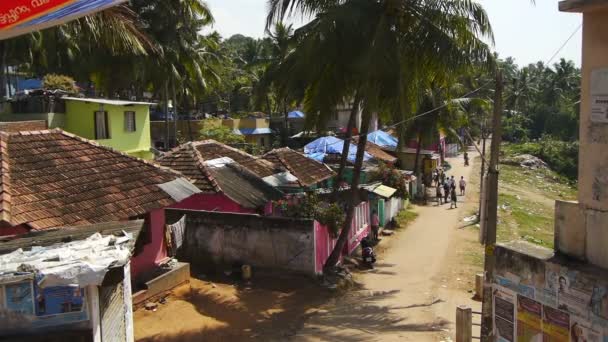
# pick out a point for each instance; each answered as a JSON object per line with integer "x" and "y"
{"x": 561, "y": 156}
{"x": 59, "y": 82}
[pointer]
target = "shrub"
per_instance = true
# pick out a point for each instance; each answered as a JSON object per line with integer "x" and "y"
{"x": 59, "y": 82}
{"x": 561, "y": 156}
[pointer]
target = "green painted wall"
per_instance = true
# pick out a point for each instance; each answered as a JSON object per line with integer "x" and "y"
{"x": 80, "y": 121}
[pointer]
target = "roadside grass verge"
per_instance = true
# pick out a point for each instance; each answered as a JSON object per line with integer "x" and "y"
{"x": 406, "y": 217}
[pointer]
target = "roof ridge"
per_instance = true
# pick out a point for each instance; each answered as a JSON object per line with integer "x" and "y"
{"x": 288, "y": 168}
{"x": 5, "y": 196}
{"x": 200, "y": 161}
{"x": 256, "y": 158}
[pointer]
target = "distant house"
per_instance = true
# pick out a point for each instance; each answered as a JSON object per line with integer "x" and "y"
{"x": 225, "y": 184}
{"x": 377, "y": 152}
{"x": 121, "y": 125}
{"x": 310, "y": 174}
{"x": 256, "y": 131}
{"x": 338, "y": 121}
{"x": 53, "y": 179}
{"x": 295, "y": 122}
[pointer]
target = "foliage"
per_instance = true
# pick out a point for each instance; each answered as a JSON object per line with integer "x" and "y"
{"x": 59, "y": 82}
{"x": 391, "y": 177}
{"x": 213, "y": 129}
{"x": 311, "y": 207}
{"x": 406, "y": 216}
{"x": 561, "y": 156}
{"x": 541, "y": 100}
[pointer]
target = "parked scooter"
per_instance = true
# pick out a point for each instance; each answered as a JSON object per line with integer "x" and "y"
{"x": 367, "y": 254}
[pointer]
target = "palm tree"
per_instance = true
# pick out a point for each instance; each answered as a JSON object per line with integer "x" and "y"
{"x": 385, "y": 51}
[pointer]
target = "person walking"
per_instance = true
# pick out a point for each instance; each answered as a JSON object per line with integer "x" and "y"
{"x": 375, "y": 225}
{"x": 442, "y": 177}
{"x": 439, "y": 195}
{"x": 446, "y": 192}
{"x": 454, "y": 203}
{"x": 452, "y": 182}
{"x": 463, "y": 185}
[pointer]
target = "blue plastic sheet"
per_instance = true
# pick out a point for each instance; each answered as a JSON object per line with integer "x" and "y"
{"x": 332, "y": 145}
{"x": 382, "y": 139}
{"x": 296, "y": 114}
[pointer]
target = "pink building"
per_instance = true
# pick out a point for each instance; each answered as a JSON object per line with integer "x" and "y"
{"x": 229, "y": 180}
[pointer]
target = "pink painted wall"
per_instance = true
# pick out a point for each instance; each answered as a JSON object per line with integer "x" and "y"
{"x": 153, "y": 253}
{"x": 212, "y": 202}
{"x": 324, "y": 242}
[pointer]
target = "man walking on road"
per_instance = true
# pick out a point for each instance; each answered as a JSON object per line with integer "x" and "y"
{"x": 439, "y": 195}
{"x": 454, "y": 204}
{"x": 463, "y": 185}
{"x": 446, "y": 192}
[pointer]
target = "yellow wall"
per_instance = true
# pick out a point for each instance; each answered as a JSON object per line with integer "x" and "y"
{"x": 80, "y": 121}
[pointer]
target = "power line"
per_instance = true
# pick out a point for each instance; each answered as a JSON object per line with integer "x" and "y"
{"x": 473, "y": 91}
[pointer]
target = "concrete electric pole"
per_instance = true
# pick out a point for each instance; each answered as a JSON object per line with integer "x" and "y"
{"x": 491, "y": 217}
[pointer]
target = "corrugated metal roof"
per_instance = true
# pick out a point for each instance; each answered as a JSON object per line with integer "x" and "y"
{"x": 244, "y": 187}
{"x": 107, "y": 101}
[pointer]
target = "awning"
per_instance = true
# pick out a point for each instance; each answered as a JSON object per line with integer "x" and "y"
{"x": 385, "y": 191}
{"x": 19, "y": 17}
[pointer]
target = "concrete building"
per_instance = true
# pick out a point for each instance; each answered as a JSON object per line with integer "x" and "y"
{"x": 121, "y": 125}
{"x": 562, "y": 294}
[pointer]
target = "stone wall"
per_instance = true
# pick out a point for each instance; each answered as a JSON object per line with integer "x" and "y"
{"x": 537, "y": 294}
{"x": 213, "y": 239}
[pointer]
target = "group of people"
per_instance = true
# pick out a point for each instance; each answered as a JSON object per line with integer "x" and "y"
{"x": 446, "y": 188}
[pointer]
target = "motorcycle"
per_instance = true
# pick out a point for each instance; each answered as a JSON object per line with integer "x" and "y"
{"x": 367, "y": 254}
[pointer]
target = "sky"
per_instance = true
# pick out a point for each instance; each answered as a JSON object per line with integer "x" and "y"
{"x": 528, "y": 32}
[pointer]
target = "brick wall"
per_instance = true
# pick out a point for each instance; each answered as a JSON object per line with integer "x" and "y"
{"x": 20, "y": 126}
{"x": 213, "y": 239}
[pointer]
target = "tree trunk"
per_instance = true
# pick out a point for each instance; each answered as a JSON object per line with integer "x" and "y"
{"x": 175, "y": 115}
{"x": 346, "y": 148}
{"x": 417, "y": 160}
{"x": 166, "y": 98}
{"x": 285, "y": 124}
{"x": 334, "y": 257}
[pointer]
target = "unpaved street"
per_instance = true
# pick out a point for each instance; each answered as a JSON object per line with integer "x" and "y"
{"x": 414, "y": 290}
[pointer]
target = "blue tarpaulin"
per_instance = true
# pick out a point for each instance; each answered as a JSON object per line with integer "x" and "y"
{"x": 296, "y": 114}
{"x": 331, "y": 145}
{"x": 382, "y": 139}
{"x": 255, "y": 131}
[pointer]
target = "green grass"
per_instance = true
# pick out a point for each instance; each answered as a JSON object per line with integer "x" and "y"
{"x": 542, "y": 181}
{"x": 521, "y": 218}
{"x": 406, "y": 216}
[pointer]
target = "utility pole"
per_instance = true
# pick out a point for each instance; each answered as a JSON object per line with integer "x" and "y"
{"x": 483, "y": 165}
{"x": 491, "y": 216}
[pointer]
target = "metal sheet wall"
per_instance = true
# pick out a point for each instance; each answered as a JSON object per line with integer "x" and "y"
{"x": 112, "y": 309}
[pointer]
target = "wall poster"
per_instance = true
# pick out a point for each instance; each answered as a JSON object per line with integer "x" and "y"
{"x": 504, "y": 314}
{"x": 19, "y": 298}
{"x": 529, "y": 320}
{"x": 556, "y": 325}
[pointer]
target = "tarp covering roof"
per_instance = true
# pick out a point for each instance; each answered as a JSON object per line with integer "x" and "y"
{"x": 255, "y": 131}
{"x": 380, "y": 189}
{"x": 331, "y": 145}
{"x": 19, "y": 17}
{"x": 107, "y": 101}
{"x": 382, "y": 139}
{"x": 82, "y": 262}
{"x": 296, "y": 114}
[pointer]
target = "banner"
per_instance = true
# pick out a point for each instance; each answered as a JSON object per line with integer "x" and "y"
{"x": 19, "y": 17}
{"x": 556, "y": 325}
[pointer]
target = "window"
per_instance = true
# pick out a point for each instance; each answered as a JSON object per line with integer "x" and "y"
{"x": 101, "y": 125}
{"x": 130, "y": 122}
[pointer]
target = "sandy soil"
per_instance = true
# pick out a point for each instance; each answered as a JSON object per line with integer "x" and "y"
{"x": 269, "y": 309}
{"x": 413, "y": 292}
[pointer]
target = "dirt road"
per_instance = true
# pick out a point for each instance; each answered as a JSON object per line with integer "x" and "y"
{"x": 414, "y": 290}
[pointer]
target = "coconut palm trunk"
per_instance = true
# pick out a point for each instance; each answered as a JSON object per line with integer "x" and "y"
{"x": 334, "y": 257}
{"x": 417, "y": 160}
{"x": 346, "y": 147}
{"x": 166, "y": 98}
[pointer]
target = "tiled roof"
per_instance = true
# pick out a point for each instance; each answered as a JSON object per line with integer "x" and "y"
{"x": 241, "y": 182}
{"x": 308, "y": 171}
{"x": 52, "y": 178}
{"x": 377, "y": 152}
{"x": 211, "y": 149}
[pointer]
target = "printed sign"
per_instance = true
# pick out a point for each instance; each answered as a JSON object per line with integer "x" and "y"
{"x": 23, "y": 16}
{"x": 556, "y": 325}
{"x": 581, "y": 331}
{"x": 19, "y": 298}
{"x": 59, "y": 300}
{"x": 529, "y": 320}
{"x": 504, "y": 315}
{"x": 599, "y": 95}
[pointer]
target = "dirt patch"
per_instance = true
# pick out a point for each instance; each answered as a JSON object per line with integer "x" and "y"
{"x": 268, "y": 309}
